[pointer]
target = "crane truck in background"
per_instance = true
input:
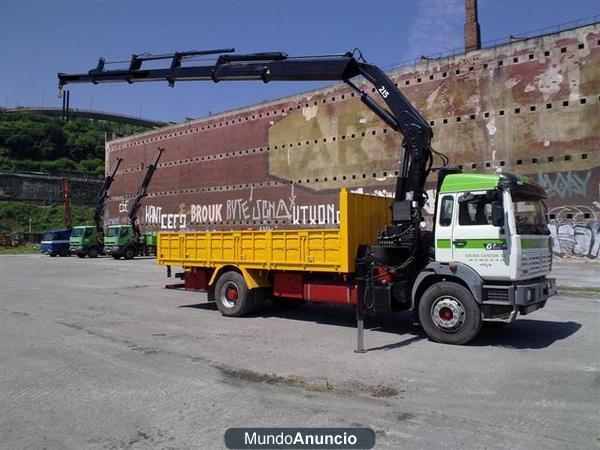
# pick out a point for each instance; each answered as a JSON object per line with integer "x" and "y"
{"x": 127, "y": 241}
{"x": 89, "y": 239}
{"x": 487, "y": 258}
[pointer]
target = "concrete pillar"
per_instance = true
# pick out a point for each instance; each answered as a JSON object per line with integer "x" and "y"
{"x": 472, "y": 32}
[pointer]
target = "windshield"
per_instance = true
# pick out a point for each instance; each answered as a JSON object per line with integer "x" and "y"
{"x": 49, "y": 237}
{"x": 77, "y": 232}
{"x": 529, "y": 216}
{"x": 113, "y": 231}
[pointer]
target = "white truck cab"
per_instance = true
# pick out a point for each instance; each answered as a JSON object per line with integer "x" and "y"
{"x": 491, "y": 235}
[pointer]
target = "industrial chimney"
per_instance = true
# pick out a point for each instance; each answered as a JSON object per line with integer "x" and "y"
{"x": 472, "y": 33}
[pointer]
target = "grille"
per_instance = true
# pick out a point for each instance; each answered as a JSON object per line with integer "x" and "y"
{"x": 497, "y": 295}
{"x": 536, "y": 264}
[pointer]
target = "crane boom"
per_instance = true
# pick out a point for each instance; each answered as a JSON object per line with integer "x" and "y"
{"x": 400, "y": 114}
{"x": 141, "y": 193}
{"x": 101, "y": 200}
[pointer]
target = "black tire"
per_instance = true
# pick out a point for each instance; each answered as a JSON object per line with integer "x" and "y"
{"x": 93, "y": 252}
{"x": 63, "y": 252}
{"x": 232, "y": 295}
{"x": 116, "y": 256}
{"x": 52, "y": 254}
{"x": 80, "y": 255}
{"x": 449, "y": 314}
{"x": 129, "y": 253}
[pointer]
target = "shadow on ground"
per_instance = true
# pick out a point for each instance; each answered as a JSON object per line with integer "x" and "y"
{"x": 521, "y": 334}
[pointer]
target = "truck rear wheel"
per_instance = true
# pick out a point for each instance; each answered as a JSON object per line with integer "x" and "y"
{"x": 449, "y": 314}
{"x": 232, "y": 295}
{"x": 93, "y": 252}
{"x": 63, "y": 252}
{"x": 80, "y": 255}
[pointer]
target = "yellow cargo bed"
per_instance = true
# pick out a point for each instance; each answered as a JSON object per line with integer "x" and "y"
{"x": 306, "y": 249}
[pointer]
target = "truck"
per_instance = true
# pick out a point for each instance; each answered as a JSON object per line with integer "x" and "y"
{"x": 486, "y": 259}
{"x": 127, "y": 241}
{"x": 56, "y": 242}
{"x": 88, "y": 240}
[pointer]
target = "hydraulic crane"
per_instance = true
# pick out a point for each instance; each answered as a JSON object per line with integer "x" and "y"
{"x": 127, "y": 240}
{"x": 401, "y": 116}
{"x": 141, "y": 193}
{"x": 88, "y": 240}
{"x": 101, "y": 201}
{"x": 468, "y": 270}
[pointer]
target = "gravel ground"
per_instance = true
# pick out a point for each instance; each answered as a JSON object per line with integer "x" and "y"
{"x": 96, "y": 354}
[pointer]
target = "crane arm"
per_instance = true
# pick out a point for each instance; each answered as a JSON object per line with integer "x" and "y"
{"x": 141, "y": 193}
{"x": 101, "y": 200}
{"x": 400, "y": 114}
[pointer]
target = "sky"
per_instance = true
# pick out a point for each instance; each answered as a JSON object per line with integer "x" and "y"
{"x": 38, "y": 39}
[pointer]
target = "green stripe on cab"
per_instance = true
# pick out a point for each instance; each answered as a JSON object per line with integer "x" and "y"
{"x": 462, "y": 182}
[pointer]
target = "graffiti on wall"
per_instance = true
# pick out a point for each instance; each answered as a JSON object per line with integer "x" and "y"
{"x": 264, "y": 213}
{"x": 565, "y": 184}
{"x": 575, "y": 232}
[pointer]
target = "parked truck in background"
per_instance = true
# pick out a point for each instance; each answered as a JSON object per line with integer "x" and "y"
{"x": 120, "y": 242}
{"x": 56, "y": 242}
{"x": 88, "y": 240}
{"x": 486, "y": 259}
{"x": 127, "y": 241}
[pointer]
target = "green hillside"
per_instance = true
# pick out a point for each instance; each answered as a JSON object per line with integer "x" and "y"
{"x": 15, "y": 216}
{"x": 30, "y": 142}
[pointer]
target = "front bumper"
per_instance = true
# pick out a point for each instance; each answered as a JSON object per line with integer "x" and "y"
{"x": 76, "y": 248}
{"x": 112, "y": 249}
{"x": 504, "y": 302}
{"x": 527, "y": 294}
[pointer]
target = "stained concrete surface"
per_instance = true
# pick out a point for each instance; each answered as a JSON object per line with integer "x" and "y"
{"x": 96, "y": 354}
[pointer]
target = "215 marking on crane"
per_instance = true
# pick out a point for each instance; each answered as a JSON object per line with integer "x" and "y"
{"x": 383, "y": 91}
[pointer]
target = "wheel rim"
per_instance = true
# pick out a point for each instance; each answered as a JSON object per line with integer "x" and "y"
{"x": 448, "y": 314}
{"x": 230, "y": 294}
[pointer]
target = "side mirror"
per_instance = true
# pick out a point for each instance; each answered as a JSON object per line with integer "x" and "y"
{"x": 497, "y": 214}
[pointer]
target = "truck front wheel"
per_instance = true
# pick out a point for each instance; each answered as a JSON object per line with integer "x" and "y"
{"x": 232, "y": 295}
{"x": 449, "y": 314}
{"x": 93, "y": 252}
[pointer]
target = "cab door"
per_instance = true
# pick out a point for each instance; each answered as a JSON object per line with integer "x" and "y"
{"x": 476, "y": 242}
{"x": 443, "y": 227}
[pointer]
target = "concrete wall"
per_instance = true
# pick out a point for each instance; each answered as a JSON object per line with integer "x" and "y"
{"x": 531, "y": 107}
{"x": 47, "y": 188}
